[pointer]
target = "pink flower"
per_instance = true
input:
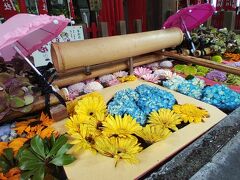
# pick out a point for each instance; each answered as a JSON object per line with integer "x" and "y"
{"x": 153, "y": 66}
{"x": 163, "y": 73}
{"x": 166, "y": 64}
{"x": 106, "y": 78}
{"x": 89, "y": 80}
{"x": 92, "y": 86}
{"x": 113, "y": 82}
{"x": 120, "y": 74}
{"x": 75, "y": 89}
{"x": 151, "y": 78}
{"x": 140, "y": 71}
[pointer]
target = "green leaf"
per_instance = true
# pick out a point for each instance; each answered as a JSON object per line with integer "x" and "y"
{"x": 27, "y": 155}
{"x": 38, "y": 146}
{"x": 24, "y": 109}
{"x": 52, "y": 140}
{"x": 64, "y": 149}
{"x": 27, "y": 174}
{"x": 28, "y": 99}
{"x": 40, "y": 173}
{"x": 4, "y": 165}
{"x": 16, "y": 102}
{"x": 8, "y": 153}
{"x": 57, "y": 145}
{"x": 63, "y": 160}
{"x": 30, "y": 164}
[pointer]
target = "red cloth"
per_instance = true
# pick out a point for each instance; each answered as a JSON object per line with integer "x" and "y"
{"x": 7, "y": 9}
{"x": 22, "y": 6}
{"x": 42, "y": 7}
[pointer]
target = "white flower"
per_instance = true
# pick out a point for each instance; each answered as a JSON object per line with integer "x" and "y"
{"x": 120, "y": 74}
{"x": 163, "y": 73}
{"x": 153, "y": 65}
{"x": 166, "y": 64}
{"x": 106, "y": 78}
{"x": 92, "y": 86}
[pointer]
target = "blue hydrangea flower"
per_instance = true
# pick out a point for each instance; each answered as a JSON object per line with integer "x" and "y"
{"x": 140, "y": 102}
{"x": 7, "y": 133}
{"x": 222, "y": 97}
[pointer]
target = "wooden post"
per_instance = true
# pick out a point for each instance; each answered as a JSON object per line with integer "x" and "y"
{"x": 130, "y": 65}
{"x": 103, "y": 29}
{"x": 138, "y": 25}
{"x": 229, "y": 20}
{"x": 121, "y": 27}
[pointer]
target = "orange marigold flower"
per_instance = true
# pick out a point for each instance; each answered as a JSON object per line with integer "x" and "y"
{"x": 3, "y": 145}
{"x": 2, "y": 177}
{"x": 46, "y": 121}
{"x": 47, "y": 132}
{"x": 13, "y": 174}
{"x": 16, "y": 144}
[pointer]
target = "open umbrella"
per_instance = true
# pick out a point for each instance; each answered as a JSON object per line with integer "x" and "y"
{"x": 189, "y": 18}
{"x": 25, "y": 33}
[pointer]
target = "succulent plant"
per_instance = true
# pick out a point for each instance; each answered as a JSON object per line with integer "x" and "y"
{"x": 15, "y": 94}
{"x": 218, "y": 40}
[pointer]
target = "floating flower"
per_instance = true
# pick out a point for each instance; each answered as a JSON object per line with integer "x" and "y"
{"x": 221, "y": 97}
{"x": 84, "y": 139}
{"x": 140, "y": 71}
{"x": 119, "y": 148}
{"x": 73, "y": 123}
{"x": 174, "y": 82}
{"x": 12, "y": 174}
{"x": 152, "y": 66}
{"x": 92, "y": 86}
{"x": 216, "y": 75}
{"x": 3, "y": 145}
{"x": 120, "y": 127}
{"x": 90, "y": 80}
{"x": 34, "y": 127}
{"x": 233, "y": 79}
{"x": 164, "y": 118}
{"x": 16, "y": 144}
{"x": 151, "y": 78}
{"x": 71, "y": 106}
{"x": 128, "y": 78}
{"x": 113, "y": 82}
{"x": 120, "y": 74}
{"x": 166, "y": 64}
{"x": 163, "y": 73}
{"x": 190, "y": 113}
{"x": 153, "y": 134}
{"x": 235, "y": 64}
{"x": 189, "y": 89}
{"x": 75, "y": 90}
{"x": 89, "y": 106}
{"x": 106, "y": 78}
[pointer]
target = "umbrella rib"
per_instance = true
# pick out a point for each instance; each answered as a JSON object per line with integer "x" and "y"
{"x": 22, "y": 46}
{"x": 47, "y": 31}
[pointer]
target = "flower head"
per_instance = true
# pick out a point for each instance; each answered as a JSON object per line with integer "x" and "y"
{"x": 16, "y": 144}
{"x": 120, "y": 127}
{"x": 140, "y": 71}
{"x": 89, "y": 106}
{"x": 164, "y": 118}
{"x": 153, "y": 134}
{"x": 190, "y": 113}
{"x": 75, "y": 89}
{"x": 163, "y": 73}
{"x": 151, "y": 78}
{"x": 107, "y": 78}
{"x": 119, "y": 148}
{"x": 152, "y": 66}
{"x": 84, "y": 139}
{"x": 216, "y": 75}
{"x": 120, "y": 74}
{"x": 128, "y": 78}
{"x": 166, "y": 64}
{"x": 73, "y": 123}
{"x": 92, "y": 86}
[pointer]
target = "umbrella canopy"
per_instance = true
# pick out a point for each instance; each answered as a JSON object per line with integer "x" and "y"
{"x": 190, "y": 17}
{"x": 28, "y": 33}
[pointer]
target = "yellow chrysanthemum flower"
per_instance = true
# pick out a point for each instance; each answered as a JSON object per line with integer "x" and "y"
{"x": 90, "y": 105}
{"x": 96, "y": 124}
{"x": 94, "y": 94}
{"x": 120, "y": 127}
{"x": 152, "y": 134}
{"x": 73, "y": 123}
{"x": 84, "y": 140}
{"x": 119, "y": 148}
{"x": 190, "y": 113}
{"x": 165, "y": 118}
{"x": 128, "y": 78}
{"x": 71, "y": 106}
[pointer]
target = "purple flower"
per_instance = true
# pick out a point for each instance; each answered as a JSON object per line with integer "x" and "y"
{"x": 120, "y": 74}
{"x": 113, "y": 82}
{"x": 235, "y": 64}
{"x": 106, "y": 78}
{"x": 92, "y": 86}
{"x": 217, "y": 76}
{"x": 75, "y": 89}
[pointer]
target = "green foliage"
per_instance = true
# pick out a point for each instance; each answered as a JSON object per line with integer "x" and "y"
{"x": 218, "y": 40}
{"x": 43, "y": 156}
{"x": 233, "y": 80}
{"x": 201, "y": 70}
{"x": 217, "y": 58}
{"x": 7, "y": 160}
{"x": 187, "y": 70}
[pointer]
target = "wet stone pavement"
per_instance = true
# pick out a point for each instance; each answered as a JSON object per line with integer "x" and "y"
{"x": 215, "y": 155}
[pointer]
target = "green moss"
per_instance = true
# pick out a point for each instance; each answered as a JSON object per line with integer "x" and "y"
{"x": 217, "y": 58}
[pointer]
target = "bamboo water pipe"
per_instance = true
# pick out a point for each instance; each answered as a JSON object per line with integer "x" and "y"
{"x": 70, "y": 55}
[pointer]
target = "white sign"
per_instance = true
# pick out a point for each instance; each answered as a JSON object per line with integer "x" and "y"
{"x": 71, "y": 33}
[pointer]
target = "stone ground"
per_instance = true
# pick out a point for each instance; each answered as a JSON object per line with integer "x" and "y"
{"x": 215, "y": 155}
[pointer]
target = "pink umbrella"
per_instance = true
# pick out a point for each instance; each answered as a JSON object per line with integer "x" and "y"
{"x": 25, "y": 33}
{"x": 189, "y": 18}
